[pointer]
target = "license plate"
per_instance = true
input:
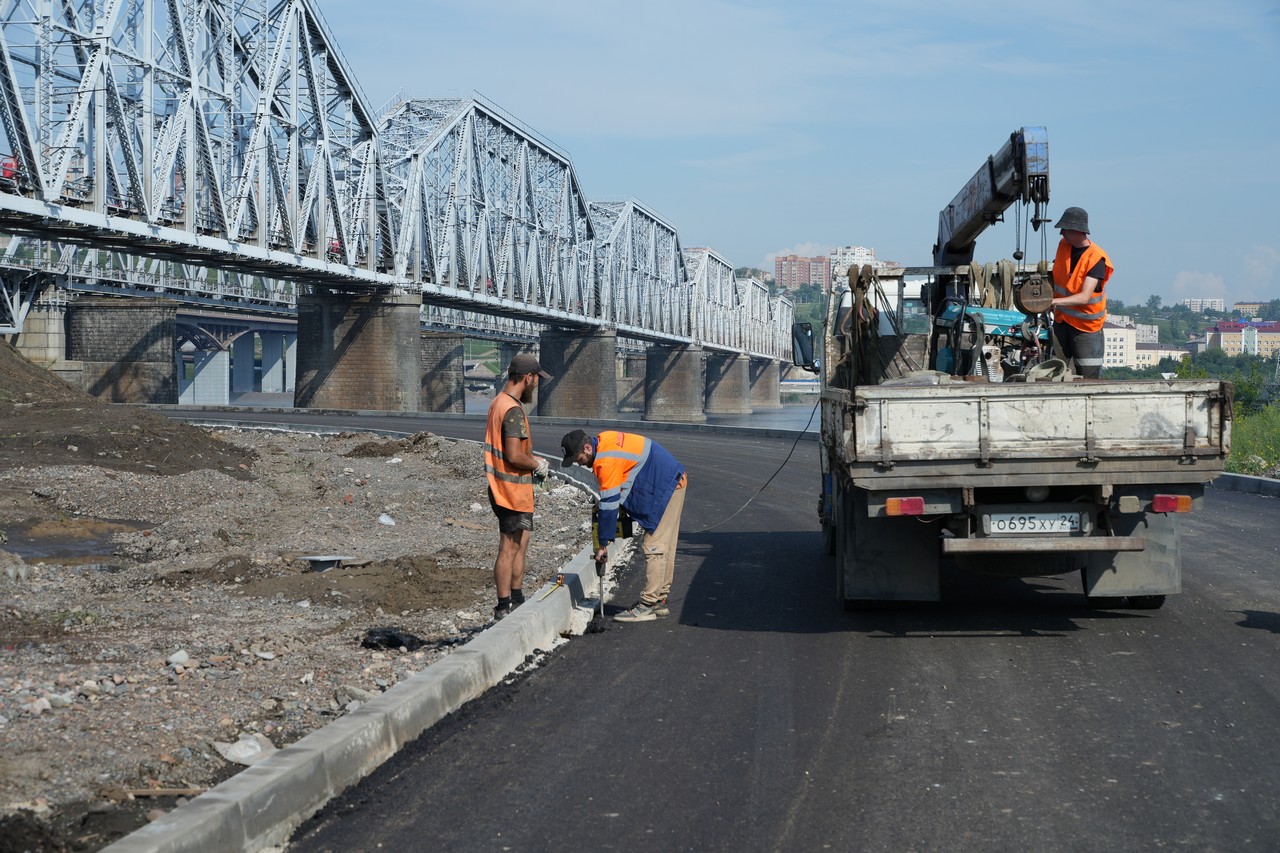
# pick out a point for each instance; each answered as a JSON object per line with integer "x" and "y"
{"x": 1034, "y": 522}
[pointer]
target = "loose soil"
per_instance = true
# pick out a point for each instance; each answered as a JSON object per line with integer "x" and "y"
{"x": 156, "y": 610}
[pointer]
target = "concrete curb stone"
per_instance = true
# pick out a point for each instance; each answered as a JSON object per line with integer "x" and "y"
{"x": 262, "y": 805}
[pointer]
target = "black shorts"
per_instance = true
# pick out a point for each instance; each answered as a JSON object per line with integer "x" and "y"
{"x": 509, "y": 520}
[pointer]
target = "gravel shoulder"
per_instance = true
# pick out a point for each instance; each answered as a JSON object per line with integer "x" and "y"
{"x": 158, "y": 623}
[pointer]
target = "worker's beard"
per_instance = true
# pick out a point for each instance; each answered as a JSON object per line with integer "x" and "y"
{"x": 526, "y": 396}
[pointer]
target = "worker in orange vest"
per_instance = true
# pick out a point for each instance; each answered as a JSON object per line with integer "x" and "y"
{"x": 639, "y": 475}
{"x": 511, "y": 467}
{"x": 1080, "y": 271}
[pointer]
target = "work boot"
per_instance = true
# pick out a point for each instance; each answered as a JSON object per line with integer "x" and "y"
{"x": 641, "y": 612}
{"x": 501, "y": 611}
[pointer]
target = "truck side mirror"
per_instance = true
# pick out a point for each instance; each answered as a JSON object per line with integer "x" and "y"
{"x": 802, "y": 347}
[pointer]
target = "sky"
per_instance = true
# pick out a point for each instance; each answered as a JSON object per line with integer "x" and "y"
{"x": 767, "y": 127}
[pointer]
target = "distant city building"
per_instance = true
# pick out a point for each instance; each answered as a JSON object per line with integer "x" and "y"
{"x": 1148, "y": 333}
{"x": 791, "y": 271}
{"x": 843, "y": 258}
{"x": 1120, "y": 344}
{"x": 1149, "y": 355}
{"x": 1249, "y": 309}
{"x": 1215, "y": 304}
{"x": 1244, "y": 338}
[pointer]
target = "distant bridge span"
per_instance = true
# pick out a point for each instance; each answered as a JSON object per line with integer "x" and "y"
{"x": 219, "y": 150}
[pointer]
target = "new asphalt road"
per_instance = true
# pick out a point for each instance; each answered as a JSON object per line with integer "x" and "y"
{"x": 759, "y": 716}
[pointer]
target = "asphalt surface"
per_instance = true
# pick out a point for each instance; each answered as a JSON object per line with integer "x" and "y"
{"x": 762, "y": 717}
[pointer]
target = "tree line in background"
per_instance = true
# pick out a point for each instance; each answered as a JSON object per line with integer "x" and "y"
{"x": 1178, "y": 323}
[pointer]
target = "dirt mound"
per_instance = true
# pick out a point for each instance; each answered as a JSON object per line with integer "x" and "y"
{"x": 44, "y": 421}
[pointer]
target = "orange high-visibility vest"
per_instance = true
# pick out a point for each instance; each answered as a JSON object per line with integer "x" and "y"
{"x": 1090, "y": 316}
{"x": 512, "y": 487}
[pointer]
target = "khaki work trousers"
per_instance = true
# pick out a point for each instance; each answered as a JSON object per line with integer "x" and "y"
{"x": 660, "y": 550}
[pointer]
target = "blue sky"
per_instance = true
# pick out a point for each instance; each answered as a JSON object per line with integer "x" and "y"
{"x": 764, "y": 127}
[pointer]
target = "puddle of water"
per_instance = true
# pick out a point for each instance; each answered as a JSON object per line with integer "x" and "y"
{"x": 71, "y": 540}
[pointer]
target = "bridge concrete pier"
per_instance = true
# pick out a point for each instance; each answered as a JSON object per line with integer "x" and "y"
{"x": 351, "y": 352}
{"x": 443, "y": 372}
{"x": 728, "y": 390}
{"x": 124, "y": 348}
{"x": 631, "y": 371}
{"x": 208, "y": 384}
{"x": 272, "y": 363}
{"x": 674, "y": 383}
{"x": 43, "y": 339}
{"x": 242, "y": 362}
{"x": 766, "y": 388}
{"x": 584, "y": 382}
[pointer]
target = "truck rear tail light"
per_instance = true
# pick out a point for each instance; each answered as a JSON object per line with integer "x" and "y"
{"x": 904, "y": 506}
{"x": 1171, "y": 503}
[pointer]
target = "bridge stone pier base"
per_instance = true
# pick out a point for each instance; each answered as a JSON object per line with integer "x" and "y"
{"x": 766, "y": 390}
{"x": 125, "y": 348}
{"x": 673, "y": 384}
{"x": 443, "y": 369}
{"x": 631, "y": 368}
{"x": 352, "y": 352}
{"x": 584, "y": 381}
{"x": 728, "y": 384}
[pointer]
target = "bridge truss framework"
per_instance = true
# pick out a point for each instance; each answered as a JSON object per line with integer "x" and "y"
{"x": 220, "y": 151}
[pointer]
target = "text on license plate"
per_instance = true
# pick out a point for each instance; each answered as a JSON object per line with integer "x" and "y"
{"x": 1030, "y": 522}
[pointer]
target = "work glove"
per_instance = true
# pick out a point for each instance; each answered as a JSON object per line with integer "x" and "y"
{"x": 543, "y": 469}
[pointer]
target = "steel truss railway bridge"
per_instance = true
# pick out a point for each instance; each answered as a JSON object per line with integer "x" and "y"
{"x": 220, "y": 154}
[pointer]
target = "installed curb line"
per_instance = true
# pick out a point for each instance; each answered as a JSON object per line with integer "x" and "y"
{"x": 1264, "y": 486}
{"x": 261, "y": 805}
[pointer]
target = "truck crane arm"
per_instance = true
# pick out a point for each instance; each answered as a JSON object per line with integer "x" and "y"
{"x": 1018, "y": 172}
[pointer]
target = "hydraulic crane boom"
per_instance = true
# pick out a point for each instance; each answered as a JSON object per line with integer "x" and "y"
{"x": 1018, "y": 172}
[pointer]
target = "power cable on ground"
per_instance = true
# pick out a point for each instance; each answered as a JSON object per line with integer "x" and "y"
{"x": 771, "y": 477}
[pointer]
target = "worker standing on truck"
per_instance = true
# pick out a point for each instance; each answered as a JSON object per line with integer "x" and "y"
{"x": 1080, "y": 272}
{"x": 638, "y": 474}
{"x": 510, "y": 466}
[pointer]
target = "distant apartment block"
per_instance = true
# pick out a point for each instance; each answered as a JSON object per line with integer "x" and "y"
{"x": 1249, "y": 309}
{"x": 1120, "y": 345}
{"x": 844, "y": 258}
{"x": 1151, "y": 354}
{"x": 1148, "y": 333}
{"x": 1215, "y": 304}
{"x": 791, "y": 271}
{"x": 1244, "y": 338}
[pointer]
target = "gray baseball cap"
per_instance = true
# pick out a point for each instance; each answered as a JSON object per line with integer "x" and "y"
{"x": 525, "y": 363}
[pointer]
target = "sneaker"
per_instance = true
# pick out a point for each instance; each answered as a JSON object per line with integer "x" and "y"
{"x": 661, "y": 610}
{"x": 641, "y": 612}
{"x": 501, "y": 611}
